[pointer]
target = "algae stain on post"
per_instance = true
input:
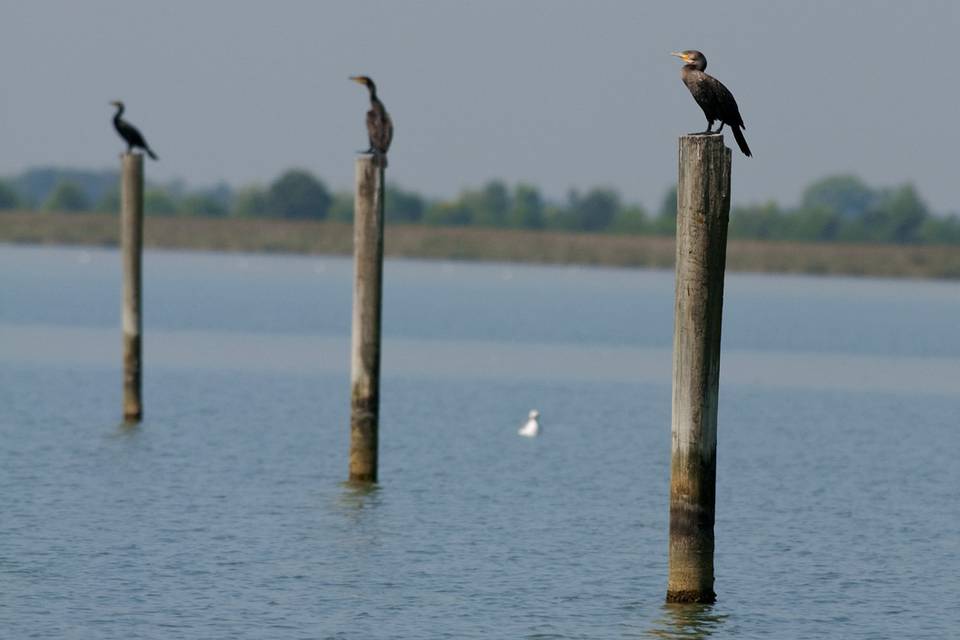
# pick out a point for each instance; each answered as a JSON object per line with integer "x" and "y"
{"x": 131, "y": 247}
{"x": 703, "y": 207}
{"x": 367, "y": 296}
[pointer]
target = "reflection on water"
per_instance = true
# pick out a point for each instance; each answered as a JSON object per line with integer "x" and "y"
{"x": 694, "y": 621}
{"x": 125, "y": 430}
{"x": 358, "y": 495}
{"x": 355, "y": 498}
{"x": 127, "y": 427}
{"x": 358, "y": 519}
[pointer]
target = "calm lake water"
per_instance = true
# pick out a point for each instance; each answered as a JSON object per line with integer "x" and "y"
{"x": 225, "y": 516}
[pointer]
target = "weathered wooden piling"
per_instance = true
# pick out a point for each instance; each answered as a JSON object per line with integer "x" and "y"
{"x": 365, "y": 348}
{"x": 703, "y": 208}
{"x": 131, "y": 247}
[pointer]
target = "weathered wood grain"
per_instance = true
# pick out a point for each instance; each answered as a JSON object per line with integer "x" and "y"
{"x": 703, "y": 208}
{"x": 131, "y": 249}
{"x": 367, "y": 295}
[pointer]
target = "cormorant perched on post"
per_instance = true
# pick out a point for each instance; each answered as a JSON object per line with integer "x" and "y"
{"x": 715, "y": 99}
{"x": 129, "y": 133}
{"x": 379, "y": 124}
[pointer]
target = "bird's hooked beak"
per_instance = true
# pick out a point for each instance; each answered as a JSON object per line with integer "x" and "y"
{"x": 114, "y": 103}
{"x": 681, "y": 55}
{"x": 359, "y": 79}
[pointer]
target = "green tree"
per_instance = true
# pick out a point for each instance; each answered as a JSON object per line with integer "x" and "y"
{"x": 896, "y": 216}
{"x": 668, "y": 204}
{"x": 592, "y": 212}
{"x": 526, "y": 211}
{"x": 816, "y": 224}
{"x": 631, "y": 219}
{"x": 297, "y": 194}
{"x": 666, "y": 222}
{"x": 67, "y": 196}
{"x": 250, "y": 202}
{"x": 109, "y": 202}
{"x": 560, "y": 215}
{"x": 937, "y": 230}
{"x": 341, "y": 209}
{"x": 37, "y": 184}
{"x": 8, "y": 196}
{"x": 844, "y": 194}
{"x": 157, "y": 202}
{"x": 490, "y": 205}
{"x": 757, "y": 221}
{"x": 904, "y": 213}
{"x": 403, "y": 206}
{"x": 450, "y": 213}
{"x": 202, "y": 204}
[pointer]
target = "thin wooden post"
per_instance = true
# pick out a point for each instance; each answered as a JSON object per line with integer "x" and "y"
{"x": 131, "y": 246}
{"x": 365, "y": 348}
{"x": 703, "y": 208}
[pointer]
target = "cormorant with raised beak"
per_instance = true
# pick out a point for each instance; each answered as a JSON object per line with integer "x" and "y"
{"x": 379, "y": 124}
{"x": 129, "y": 132}
{"x": 715, "y": 99}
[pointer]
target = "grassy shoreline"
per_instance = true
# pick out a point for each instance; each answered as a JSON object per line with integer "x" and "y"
{"x": 457, "y": 243}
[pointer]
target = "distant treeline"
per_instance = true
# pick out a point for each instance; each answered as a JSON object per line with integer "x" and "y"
{"x": 839, "y": 208}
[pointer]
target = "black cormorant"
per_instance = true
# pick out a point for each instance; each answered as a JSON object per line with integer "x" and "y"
{"x": 715, "y": 99}
{"x": 129, "y": 133}
{"x": 379, "y": 125}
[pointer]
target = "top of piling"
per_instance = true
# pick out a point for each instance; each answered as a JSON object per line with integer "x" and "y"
{"x": 703, "y": 145}
{"x": 703, "y": 138}
{"x": 376, "y": 159}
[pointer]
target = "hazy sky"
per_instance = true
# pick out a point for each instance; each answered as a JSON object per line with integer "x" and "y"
{"x": 560, "y": 94}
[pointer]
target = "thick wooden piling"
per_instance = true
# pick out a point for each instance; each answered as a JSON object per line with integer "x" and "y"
{"x": 131, "y": 247}
{"x": 365, "y": 348}
{"x": 703, "y": 208}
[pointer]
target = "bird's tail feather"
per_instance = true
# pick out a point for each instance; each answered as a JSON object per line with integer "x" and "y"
{"x": 154, "y": 156}
{"x": 741, "y": 141}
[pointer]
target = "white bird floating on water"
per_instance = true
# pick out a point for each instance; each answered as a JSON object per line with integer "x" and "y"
{"x": 531, "y": 429}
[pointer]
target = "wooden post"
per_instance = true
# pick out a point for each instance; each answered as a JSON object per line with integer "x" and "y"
{"x": 365, "y": 348}
{"x": 131, "y": 246}
{"x": 703, "y": 208}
